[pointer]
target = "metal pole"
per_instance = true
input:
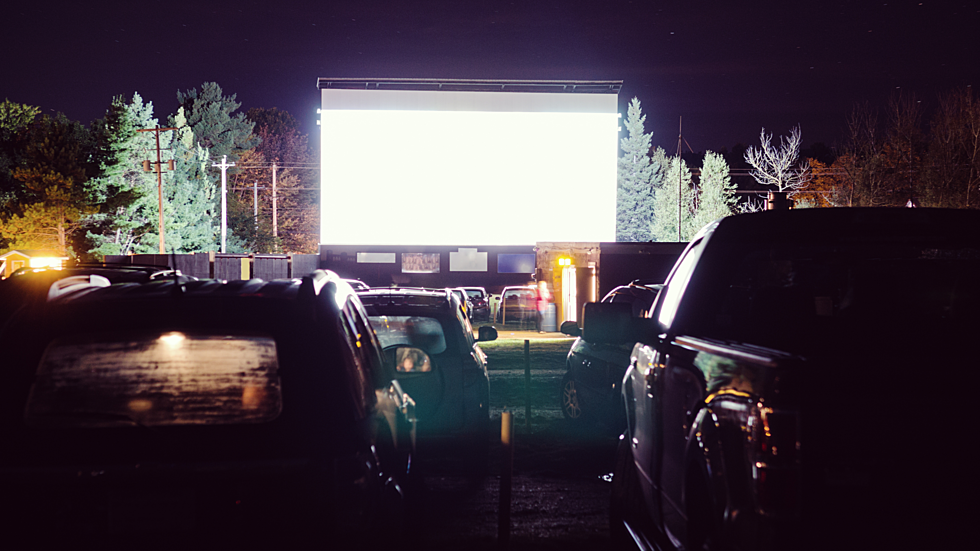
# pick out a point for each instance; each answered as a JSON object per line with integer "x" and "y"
{"x": 680, "y": 125}
{"x": 527, "y": 383}
{"x": 224, "y": 166}
{"x": 275, "y": 215}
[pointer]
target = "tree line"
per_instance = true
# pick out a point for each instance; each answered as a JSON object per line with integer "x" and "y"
{"x": 84, "y": 191}
{"x": 891, "y": 156}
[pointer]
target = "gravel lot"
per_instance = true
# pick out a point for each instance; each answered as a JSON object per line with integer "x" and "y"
{"x": 560, "y": 495}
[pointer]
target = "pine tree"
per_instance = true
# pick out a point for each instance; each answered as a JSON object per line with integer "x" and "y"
{"x": 209, "y": 114}
{"x": 664, "y": 226}
{"x": 191, "y": 202}
{"x": 716, "y": 192}
{"x": 635, "y": 180}
{"x": 125, "y": 194}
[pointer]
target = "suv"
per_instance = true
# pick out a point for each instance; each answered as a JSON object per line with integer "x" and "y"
{"x": 429, "y": 339}
{"x": 591, "y": 385}
{"x": 201, "y": 411}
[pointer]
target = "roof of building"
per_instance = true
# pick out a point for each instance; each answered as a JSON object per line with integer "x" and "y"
{"x": 473, "y": 85}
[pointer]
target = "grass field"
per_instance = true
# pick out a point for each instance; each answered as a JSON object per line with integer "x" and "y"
{"x": 545, "y": 354}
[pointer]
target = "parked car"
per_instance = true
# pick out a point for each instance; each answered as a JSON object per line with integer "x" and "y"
{"x": 591, "y": 386}
{"x": 479, "y": 303}
{"x": 425, "y": 334}
{"x": 805, "y": 380}
{"x": 517, "y": 303}
{"x": 202, "y": 413}
{"x": 463, "y": 299}
{"x": 357, "y": 284}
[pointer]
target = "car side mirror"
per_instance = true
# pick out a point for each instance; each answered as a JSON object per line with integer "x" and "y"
{"x": 571, "y": 329}
{"x": 487, "y": 334}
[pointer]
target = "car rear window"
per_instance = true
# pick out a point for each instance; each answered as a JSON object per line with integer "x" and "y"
{"x": 162, "y": 379}
{"x": 418, "y": 331}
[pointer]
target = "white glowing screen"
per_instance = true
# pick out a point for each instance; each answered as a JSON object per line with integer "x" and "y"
{"x": 401, "y": 177}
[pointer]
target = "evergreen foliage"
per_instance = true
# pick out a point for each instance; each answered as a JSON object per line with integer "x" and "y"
{"x": 665, "y": 212}
{"x": 14, "y": 117}
{"x": 715, "y": 193}
{"x": 190, "y": 195}
{"x": 209, "y": 114}
{"x": 637, "y": 177}
{"x": 125, "y": 195}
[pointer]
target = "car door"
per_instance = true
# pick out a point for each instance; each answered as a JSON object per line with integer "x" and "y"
{"x": 678, "y": 392}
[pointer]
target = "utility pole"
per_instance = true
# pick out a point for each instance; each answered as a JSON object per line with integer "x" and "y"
{"x": 680, "y": 175}
{"x": 224, "y": 166}
{"x": 275, "y": 212}
{"x": 159, "y": 167}
{"x": 255, "y": 204}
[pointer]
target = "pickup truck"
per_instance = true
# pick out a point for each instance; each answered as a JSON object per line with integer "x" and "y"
{"x": 805, "y": 380}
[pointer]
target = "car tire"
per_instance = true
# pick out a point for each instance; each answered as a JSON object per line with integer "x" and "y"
{"x": 626, "y": 502}
{"x": 568, "y": 398}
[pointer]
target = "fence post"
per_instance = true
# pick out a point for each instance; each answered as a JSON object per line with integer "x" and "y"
{"x": 527, "y": 383}
{"x": 506, "y": 480}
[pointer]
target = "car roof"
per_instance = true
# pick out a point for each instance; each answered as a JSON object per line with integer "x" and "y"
{"x": 850, "y": 225}
{"x": 241, "y": 303}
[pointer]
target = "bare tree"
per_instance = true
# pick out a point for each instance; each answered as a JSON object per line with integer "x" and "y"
{"x": 778, "y": 166}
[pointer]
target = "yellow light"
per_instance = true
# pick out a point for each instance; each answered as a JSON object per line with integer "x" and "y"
{"x": 140, "y": 404}
{"x": 46, "y": 262}
{"x": 172, "y": 339}
{"x": 564, "y": 261}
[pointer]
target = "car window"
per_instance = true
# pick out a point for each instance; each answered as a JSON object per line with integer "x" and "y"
{"x": 676, "y": 284}
{"x": 474, "y": 293}
{"x": 798, "y": 294}
{"x": 155, "y": 380}
{"x": 418, "y": 331}
{"x": 519, "y": 294}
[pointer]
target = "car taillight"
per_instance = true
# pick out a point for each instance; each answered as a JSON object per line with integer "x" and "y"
{"x": 775, "y": 445}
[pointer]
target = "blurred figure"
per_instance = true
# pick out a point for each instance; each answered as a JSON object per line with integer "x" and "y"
{"x": 543, "y": 299}
{"x": 412, "y": 360}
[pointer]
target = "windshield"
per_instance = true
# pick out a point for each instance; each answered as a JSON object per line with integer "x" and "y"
{"x": 418, "y": 331}
{"x": 163, "y": 379}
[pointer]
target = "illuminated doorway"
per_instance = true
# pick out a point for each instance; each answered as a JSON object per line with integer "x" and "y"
{"x": 569, "y": 302}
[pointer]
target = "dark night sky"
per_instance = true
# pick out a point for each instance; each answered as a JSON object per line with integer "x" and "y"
{"x": 727, "y": 67}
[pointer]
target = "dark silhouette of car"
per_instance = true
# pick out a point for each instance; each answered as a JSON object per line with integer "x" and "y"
{"x": 590, "y": 388}
{"x": 805, "y": 380}
{"x": 201, "y": 414}
{"x": 429, "y": 339}
{"x": 31, "y": 286}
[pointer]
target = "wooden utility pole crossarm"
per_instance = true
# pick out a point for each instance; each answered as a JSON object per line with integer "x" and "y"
{"x": 159, "y": 170}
